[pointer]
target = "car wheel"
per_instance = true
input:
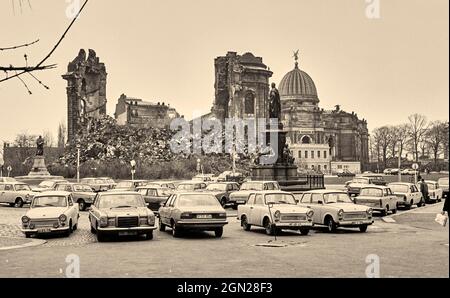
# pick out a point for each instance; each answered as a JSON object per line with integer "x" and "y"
{"x": 162, "y": 227}
{"x": 218, "y": 232}
{"x": 223, "y": 202}
{"x": 149, "y": 235}
{"x": 363, "y": 228}
{"x": 331, "y": 225}
{"x": 28, "y": 235}
{"x": 421, "y": 203}
{"x": 75, "y": 227}
{"x": 244, "y": 223}
{"x": 93, "y": 231}
{"x": 269, "y": 227}
{"x": 81, "y": 205}
{"x": 304, "y": 232}
{"x": 385, "y": 212}
{"x": 235, "y": 207}
{"x": 394, "y": 211}
{"x": 175, "y": 230}
{"x": 12, "y": 204}
{"x": 19, "y": 203}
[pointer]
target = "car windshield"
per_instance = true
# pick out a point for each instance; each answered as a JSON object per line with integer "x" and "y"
{"x": 46, "y": 184}
{"x": 164, "y": 192}
{"x": 331, "y": 198}
{"x": 371, "y": 192}
{"x": 22, "y": 187}
{"x": 431, "y": 186}
{"x": 124, "y": 184}
{"x": 252, "y": 186}
{"x": 49, "y": 201}
{"x": 217, "y": 186}
{"x": 280, "y": 199}
{"x": 80, "y": 187}
{"x": 197, "y": 200}
{"x": 399, "y": 188}
{"x": 120, "y": 201}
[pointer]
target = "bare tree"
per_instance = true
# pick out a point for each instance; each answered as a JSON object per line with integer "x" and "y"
{"x": 435, "y": 139}
{"x": 62, "y": 135}
{"x": 393, "y": 140}
{"x": 402, "y": 137}
{"x": 48, "y": 139}
{"x": 382, "y": 140}
{"x": 417, "y": 127}
{"x": 25, "y": 140}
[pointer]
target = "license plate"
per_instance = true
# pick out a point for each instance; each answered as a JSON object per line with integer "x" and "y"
{"x": 204, "y": 216}
{"x": 128, "y": 233}
{"x": 357, "y": 223}
{"x": 241, "y": 202}
{"x": 43, "y": 231}
{"x": 295, "y": 224}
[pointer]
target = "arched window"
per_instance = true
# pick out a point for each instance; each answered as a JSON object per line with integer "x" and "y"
{"x": 306, "y": 140}
{"x": 249, "y": 103}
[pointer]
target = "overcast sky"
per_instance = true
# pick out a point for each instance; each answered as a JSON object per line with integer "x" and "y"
{"x": 383, "y": 69}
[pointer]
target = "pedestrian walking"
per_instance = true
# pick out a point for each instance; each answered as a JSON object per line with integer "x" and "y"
{"x": 424, "y": 190}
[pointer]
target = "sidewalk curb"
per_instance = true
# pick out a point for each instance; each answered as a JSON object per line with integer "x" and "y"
{"x": 391, "y": 218}
{"x": 32, "y": 243}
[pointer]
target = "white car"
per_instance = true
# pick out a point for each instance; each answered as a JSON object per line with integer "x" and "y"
{"x": 408, "y": 194}
{"x": 247, "y": 188}
{"x": 379, "y": 198}
{"x": 16, "y": 194}
{"x": 334, "y": 208}
{"x": 275, "y": 210}
{"x": 443, "y": 183}
{"x": 435, "y": 192}
{"x": 51, "y": 213}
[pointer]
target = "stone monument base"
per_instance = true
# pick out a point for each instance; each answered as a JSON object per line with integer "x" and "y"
{"x": 287, "y": 177}
{"x": 39, "y": 169}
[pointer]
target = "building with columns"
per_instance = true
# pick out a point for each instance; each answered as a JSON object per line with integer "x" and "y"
{"x": 329, "y": 141}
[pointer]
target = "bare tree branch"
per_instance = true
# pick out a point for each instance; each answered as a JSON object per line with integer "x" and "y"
{"x": 19, "y": 46}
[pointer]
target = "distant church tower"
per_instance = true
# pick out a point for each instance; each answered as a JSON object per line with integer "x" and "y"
{"x": 86, "y": 91}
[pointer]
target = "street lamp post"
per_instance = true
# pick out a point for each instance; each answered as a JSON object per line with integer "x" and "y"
{"x": 399, "y": 163}
{"x": 78, "y": 163}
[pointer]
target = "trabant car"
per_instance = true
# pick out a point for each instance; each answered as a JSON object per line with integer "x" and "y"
{"x": 222, "y": 191}
{"x": 16, "y": 194}
{"x": 408, "y": 194}
{"x": 82, "y": 194}
{"x": 379, "y": 198}
{"x": 154, "y": 196}
{"x": 334, "y": 208}
{"x": 240, "y": 197}
{"x": 275, "y": 210}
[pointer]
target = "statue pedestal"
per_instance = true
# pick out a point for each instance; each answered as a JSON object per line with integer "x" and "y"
{"x": 39, "y": 168}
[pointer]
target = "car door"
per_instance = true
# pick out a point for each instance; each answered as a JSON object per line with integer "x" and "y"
{"x": 250, "y": 207}
{"x": 72, "y": 210}
{"x": 2, "y": 193}
{"x": 317, "y": 204}
{"x": 168, "y": 208}
{"x": 259, "y": 208}
{"x": 416, "y": 193}
{"x": 93, "y": 213}
{"x": 8, "y": 194}
{"x": 163, "y": 210}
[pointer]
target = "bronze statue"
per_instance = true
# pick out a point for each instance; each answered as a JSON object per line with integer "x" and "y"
{"x": 275, "y": 103}
{"x": 40, "y": 146}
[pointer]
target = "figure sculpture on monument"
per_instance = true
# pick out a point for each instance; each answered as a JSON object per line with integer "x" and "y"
{"x": 40, "y": 146}
{"x": 275, "y": 103}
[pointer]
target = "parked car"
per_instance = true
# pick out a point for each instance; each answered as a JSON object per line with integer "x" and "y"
{"x": 48, "y": 185}
{"x": 409, "y": 172}
{"x": 408, "y": 194}
{"x": 395, "y": 171}
{"x": 16, "y": 194}
{"x": 129, "y": 185}
{"x": 222, "y": 191}
{"x": 192, "y": 211}
{"x": 346, "y": 173}
{"x": 52, "y": 212}
{"x": 435, "y": 192}
{"x": 162, "y": 184}
{"x": 203, "y": 178}
{"x": 334, "y": 209}
{"x": 240, "y": 197}
{"x": 387, "y": 171}
{"x": 154, "y": 196}
{"x": 354, "y": 186}
{"x": 379, "y": 198}
{"x": 191, "y": 186}
{"x": 275, "y": 210}
{"x": 99, "y": 184}
{"x": 229, "y": 176}
{"x": 443, "y": 183}
{"x": 121, "y": 213}
{"x": 82, "y": 194}
{"x": 376, "y": 179}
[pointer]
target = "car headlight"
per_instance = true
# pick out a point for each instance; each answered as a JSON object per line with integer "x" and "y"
{"x": 27, "y": 196}
{"x": 369, "y": 211}
{"x": 103, "y": 222}
{"x": 341, "y": 213}
{"x": 223, "y": 215}
{"x": 151, "y": 219}
{"x": 277, "y": 215}
{"x": 25, "y": 219}
{"x": 62, "y": 218}
{"x": 310, "y": 213}
{"x": 112, "y": 221}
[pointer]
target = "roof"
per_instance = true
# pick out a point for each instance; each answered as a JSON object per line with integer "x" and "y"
{"x": 401, "y": 183}
{"x": 53, "y": 194}
{"x": 105, "y": 193}
{"x": 264, "y": 192}
{"x": 299, "y": 85}
{"x": 375, "y": 186}
{"x": 322, "y": 191}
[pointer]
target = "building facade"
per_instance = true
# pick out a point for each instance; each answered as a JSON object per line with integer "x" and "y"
{"x": 86, "y": 91}
{"x": 328, "y": 141}
{"x": 139, "y": 113}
